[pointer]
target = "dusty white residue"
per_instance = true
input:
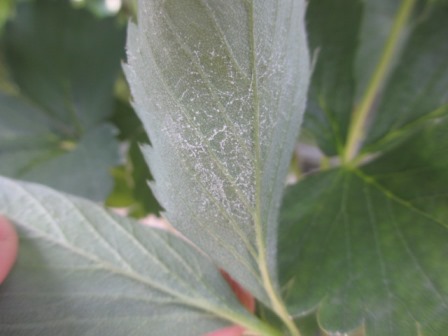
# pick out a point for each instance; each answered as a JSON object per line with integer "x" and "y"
{"x": 206, "y": 109}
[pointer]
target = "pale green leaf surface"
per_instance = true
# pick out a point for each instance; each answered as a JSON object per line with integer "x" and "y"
{"x": 370, "y": 246}
{"x": 333, "y": 28}
{"x": 220, "y": 87}
{"x": 55, "y": 130}
{"x": 85, "y": 271}
{"x": 417, "y": 91}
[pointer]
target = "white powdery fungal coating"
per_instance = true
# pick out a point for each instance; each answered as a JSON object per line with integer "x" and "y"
{"x": 220, "y": 87}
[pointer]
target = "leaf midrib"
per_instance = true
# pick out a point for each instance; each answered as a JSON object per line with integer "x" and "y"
{"x": 210, "y": 153}
{"x": 212, "y": 87}
{"x": 199, "y": 135}
{"x": 273, "y": 295}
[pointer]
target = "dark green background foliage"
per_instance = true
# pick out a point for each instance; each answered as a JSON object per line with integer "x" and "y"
{"x": 367, "y": 245}
{"x": 62, "y": 118}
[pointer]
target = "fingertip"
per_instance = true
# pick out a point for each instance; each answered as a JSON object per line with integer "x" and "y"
{"x": 8, "y": 247}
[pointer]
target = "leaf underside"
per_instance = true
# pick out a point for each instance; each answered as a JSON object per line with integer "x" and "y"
{"x": 85, "y": 271}
{"x": 220, "y": 88}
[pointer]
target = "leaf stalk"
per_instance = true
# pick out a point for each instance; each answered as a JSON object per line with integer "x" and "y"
{"x": 257, "y": 327}
{"x": 357, "y": 130}
{"x": 277, "y": 303}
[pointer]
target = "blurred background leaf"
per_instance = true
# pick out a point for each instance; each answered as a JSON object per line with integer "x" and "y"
{"x": 363, "y": 246}
{"x": 368, "y": 247}
{"x": 63, "y": 64}
{"x": 333, "y": 28}
{"x": 132, "y": 177}
{"x": 417, "y": 91}
{"x": 65, "y": 116}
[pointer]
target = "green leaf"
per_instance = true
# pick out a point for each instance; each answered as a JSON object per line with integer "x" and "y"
{"x": 140, "y": 172}
{"x": 126, "y": 120}
{"x": 368, "y": 51}
{"x": 417, "y": 91}
{"x": 376, "y": 24}
{"x": 369, "y": 246}
{"x": 30, "y": 150}
{"x": 130, "y": 189}
{"x": 121, "y": 195}
{"x": 308, "y": 326}
{"x": 69, "y": 71}
{"x": 85, "y": 271}
{"x": 333, "y": 36}
{"x": 6, "y": 11}
{"x": 64, "y": 62}
{"x": 220, "y": 89}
